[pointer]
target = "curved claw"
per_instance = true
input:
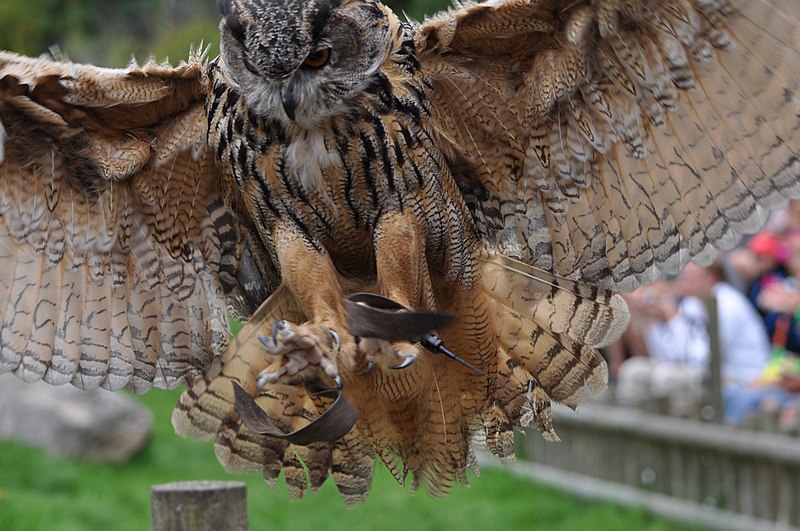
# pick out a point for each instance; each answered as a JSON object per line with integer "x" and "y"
{"x": 267, "y": 342}
{"x": 408, "y": 359}
{"x": 370, "y": 367}
{"x": 276, "y": 327}
{"x": 337, "y": 343}
{"x": 317, "y": 389}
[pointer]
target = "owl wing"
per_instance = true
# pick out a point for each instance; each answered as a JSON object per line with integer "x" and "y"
{"x": 115, "y": 242}
{"x": 613, "y": 140}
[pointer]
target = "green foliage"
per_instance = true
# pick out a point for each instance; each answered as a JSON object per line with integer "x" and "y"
{"x": 110, "y": 33}
{"x": 107, "y": 33}
{"x": 175, "y": 43}
{"x": 29, "y": 27}
{"x": 417, "y": 9}
{"x": 39, "y": 492}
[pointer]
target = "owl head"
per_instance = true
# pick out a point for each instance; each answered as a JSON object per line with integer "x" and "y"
{"x": 302, "y": 60}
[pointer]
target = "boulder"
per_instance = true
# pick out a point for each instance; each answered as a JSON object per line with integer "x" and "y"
{"x": 64, "y": 421}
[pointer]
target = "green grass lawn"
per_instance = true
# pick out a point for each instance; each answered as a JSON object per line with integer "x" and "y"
{"x": 42, "y": 493}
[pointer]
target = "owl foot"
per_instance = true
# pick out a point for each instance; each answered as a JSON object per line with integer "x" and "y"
{"x": 301, "y": 354}
{"x": 393, "y": 355}
{"x": 389, "y": 330}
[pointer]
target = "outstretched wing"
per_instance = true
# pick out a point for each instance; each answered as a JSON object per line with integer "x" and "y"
{"x": 115, "y": 241}
{"x": 609, "y": 141}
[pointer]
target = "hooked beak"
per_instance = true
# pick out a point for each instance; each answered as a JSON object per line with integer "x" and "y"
{"x": 288, "y": 101}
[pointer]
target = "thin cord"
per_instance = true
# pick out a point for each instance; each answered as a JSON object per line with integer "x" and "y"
{"x": 435, "y": 344}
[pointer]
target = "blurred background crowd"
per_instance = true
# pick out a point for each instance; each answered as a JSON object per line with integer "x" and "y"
{"x": 666, "y": 351}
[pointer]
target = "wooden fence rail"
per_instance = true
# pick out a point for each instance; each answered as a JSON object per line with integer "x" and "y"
{"x": 724, "y": 468}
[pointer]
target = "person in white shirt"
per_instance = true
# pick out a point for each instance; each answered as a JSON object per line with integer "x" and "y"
{"x": 673, "y": 321}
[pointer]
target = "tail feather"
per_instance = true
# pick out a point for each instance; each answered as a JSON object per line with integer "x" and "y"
{"x": 240, "y": 450}
{"x": 352, "y": 466}
{"x": 595, "y": 316}
{"x": 564, "y": 320}
{"x": 530, "y": 405}
{"x": 308, "y": 466}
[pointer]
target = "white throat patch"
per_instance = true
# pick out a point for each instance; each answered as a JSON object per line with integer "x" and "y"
{"x": 308, "y": 157}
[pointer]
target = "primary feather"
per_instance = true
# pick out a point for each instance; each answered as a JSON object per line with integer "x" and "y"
{"x": 510, "y": 163}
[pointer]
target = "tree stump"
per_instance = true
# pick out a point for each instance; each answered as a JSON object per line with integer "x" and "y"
{"x": 199, "y": 506}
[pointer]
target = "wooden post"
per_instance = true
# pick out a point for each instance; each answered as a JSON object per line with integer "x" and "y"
{"x": 199, "y": 506}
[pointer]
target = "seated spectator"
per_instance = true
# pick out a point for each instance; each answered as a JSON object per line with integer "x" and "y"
{"x": 777, "y": 297}
{"x": 765, "y": 252}
{"x": 674, "y": 325}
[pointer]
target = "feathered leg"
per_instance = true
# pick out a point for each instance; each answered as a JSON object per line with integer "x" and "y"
{"x": 403, "y": 277}
{"x": 311, "y": 352}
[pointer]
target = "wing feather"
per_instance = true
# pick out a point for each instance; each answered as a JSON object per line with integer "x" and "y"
{"x": 120, "y": 366}
{"x": 43, "y": 325}
{"x": 649, "y": 133}
{"x": 16, "y": 268}
{"x": 95, "y": 325}
{"x": 112, "y": 220}
{"x": 67, "y": 345}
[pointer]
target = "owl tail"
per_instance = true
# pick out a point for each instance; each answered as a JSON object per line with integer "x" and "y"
{"x": 206, "y": 411}
{"x": 548, "y": 330}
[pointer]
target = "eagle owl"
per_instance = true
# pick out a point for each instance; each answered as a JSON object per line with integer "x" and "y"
{"x": 510, "y": 163}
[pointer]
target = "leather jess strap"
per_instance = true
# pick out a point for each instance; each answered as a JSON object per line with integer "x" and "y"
{"x": 368, "y": 315}
{"x": 331, "y": 425}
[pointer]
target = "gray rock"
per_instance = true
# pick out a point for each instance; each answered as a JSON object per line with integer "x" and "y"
{"x": 65, "y": 421}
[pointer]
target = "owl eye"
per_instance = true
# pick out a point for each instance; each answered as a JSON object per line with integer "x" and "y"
{"x": 318, "y": 58}
{"x": 248, "y": 65}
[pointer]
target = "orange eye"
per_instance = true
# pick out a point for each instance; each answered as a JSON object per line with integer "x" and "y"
{"x": 248, "y": 65}
{"x": 318, "y": 59}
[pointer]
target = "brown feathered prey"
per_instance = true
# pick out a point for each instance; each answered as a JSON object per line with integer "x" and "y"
{"x": 509, "y": 163}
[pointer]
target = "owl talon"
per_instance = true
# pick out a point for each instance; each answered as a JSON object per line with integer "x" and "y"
{"x": 276, "y": 327}
{"x": 262, "y": 381}
{"x": 268, "y": 342}
{"x": 300, "y": 355}
{"x": 316, "y": 389}
{"x": 408, "y": 359}
{"x": 370, "y": 367}
{"x": 380, "y": 353}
